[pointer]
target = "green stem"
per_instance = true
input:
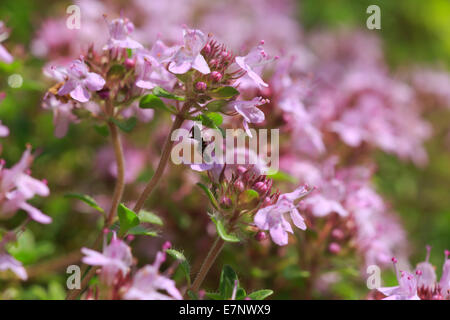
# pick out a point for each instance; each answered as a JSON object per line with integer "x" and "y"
{"x": 161, "y": 165}
{"x": 117, "y": 197}
{"x": 207, "y": 263}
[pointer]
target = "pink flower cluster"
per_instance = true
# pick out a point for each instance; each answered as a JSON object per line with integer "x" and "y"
{"x": 422, "y": 285}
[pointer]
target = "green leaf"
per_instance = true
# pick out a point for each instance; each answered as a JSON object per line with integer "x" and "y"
{"x": 140, "y": 230}
{"x": 214, "y": 296}
{"x": 184, "y": 265}
{"x": 221, "y": 231}
{"x": 192, "y": 295}
{"x": 251, "y": 194}
{"x": 281, "y": 176}
{"x": 127, "y": 218}
{"x": 209, "y": 122}
{"x": 149, "y": 217}
{"x": 224, "y": 93}
{"x": 129, "y": 52}
{"x": 86, "y": 199}
{"x": 116, "y": 72}
{"x": 102, "y": 130}
{"x": 126, "y": 125}
{"x": 260, "y": 294}
{"x": 216, "y": 105}
{"x": 215, "y": 117}
{"x": 228, "y": 277}
{"x": 160, "y": 92}
{"x": 209, "y": 194}
{"x": 151, "y": 101}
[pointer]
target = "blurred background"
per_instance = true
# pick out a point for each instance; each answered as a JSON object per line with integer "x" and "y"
{"x": 414, "y": 33}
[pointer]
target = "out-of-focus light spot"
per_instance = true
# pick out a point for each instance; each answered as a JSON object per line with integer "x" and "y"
{"x": 15, "y": 80}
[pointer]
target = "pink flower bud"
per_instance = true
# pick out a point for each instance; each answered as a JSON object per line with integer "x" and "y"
{"x": 338, "y": 234}
{"x": 226, "y": 202}
{"x": 261, "y": 187}
{"x": 104, "y": 93}
{"x": 129, "y": 63}
{"x": 239, "y": 185}
{"x": 260, "y": 236}
{"x": 334, "y": 248}
{"x": 167, "y": 245}
{"x": 200, "y": 86}
{"x": 207, "y": 49}
{"x": 216, "y": 76}
{"x": 267, "y": 202}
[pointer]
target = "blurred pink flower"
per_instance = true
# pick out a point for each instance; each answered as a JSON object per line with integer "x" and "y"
{"x": 427, "y": 277}
{"x": 5, "y": 56}
{"x": 444, "y": 283}
{"x": 17, "y": 186}
{"x": 4, "y": 131}
{"x": 148, "y": 283}
{"x": 8, "y": 262}
{"x": 272, "y": 217}
{"x": 407, "y": 288}
{"x": 62, "y": 114}
{"x": 115, "y": 259}
{"x": 119, "y": 31}
{"x": 249, "y": 111}
{"x": 252, "y": 64}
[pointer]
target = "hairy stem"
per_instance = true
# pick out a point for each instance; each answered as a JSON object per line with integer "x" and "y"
{"x": 161, "y": 166}
{"x": 120, "y": 182}
{"x": 117, "y": 197}
{"x": 207, "y": 263}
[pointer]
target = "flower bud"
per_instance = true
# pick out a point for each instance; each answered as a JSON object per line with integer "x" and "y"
{"x": 260, "y": 236}
{"x": 260, "y": 187}
{"x": 104, "y": 93}
{"x": 200, "y": 86}
{"x": 334, "y": 248}
{"x": 226, "y": 202}
{"x": 239, "y": 185}
{"x": 167, "y": 245}
{"x": 129, "y": 63}
{"x": 337, "y": 234}
{"x": 216, "y": 76}
{"x": 207, "y": 49}
{"x": 241, "y": 170}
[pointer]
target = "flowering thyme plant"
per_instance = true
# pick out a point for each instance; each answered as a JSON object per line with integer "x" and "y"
{"x": 184, "y": 152}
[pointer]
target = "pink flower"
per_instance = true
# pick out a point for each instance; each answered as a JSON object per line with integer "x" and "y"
{"x": 4, "y": 131}
{"x": 188, "y": 55}
{"x": 8, "y": 262}
{"x": 427, "y": 277}
{"x": 79, "y": 81}
{"x": 272, "y": 217}
{"x": 17, "y": 186}
{"x": 62, "y": 114}
{"x": 249, "y": 111}
{"x": 115, "y": 259}
{"x": 119, "y": 31}
{"x": 150, "y": 72}
{"x": 252, "y": 63}
{"x": 5, "y": 56}
{"x": 330, "y": 194}
{"x": 407, "y": 288}
{"x": 444, "y": 283}
{"x": 148, "y": 282}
